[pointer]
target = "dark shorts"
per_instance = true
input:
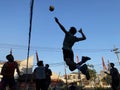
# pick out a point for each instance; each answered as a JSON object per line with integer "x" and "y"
{"x": 40, "y": 84}
{"x": 68, "y": 54}
{"x": 8, "y": 81}
{"x": 69, "y": 59}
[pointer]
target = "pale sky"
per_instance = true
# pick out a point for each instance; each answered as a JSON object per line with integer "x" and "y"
{"x": 99, "y": 19}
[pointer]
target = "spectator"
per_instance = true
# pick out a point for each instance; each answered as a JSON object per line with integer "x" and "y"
{"x": 8, "y": 71}
{"x": 40, "y": 76}
{"x": 115, "y": 77}
{"x": 48, "y": 75}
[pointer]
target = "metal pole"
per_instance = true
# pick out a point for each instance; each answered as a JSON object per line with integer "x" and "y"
{"x": 66, "y": 78}
{"x": 30, "y": 29}
{"x": 117, "y": 56}
{"x": 29, "y": 39}
{"x": 115, "y": 50}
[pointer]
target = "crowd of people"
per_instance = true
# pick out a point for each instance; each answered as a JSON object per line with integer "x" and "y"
{"x": 42, "y": 74}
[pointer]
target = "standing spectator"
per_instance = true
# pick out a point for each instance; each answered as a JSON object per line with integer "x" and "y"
{"x": 40, "y": 76}
{"x": 8, "y": 71}
{"x": 48, "y": 75}
{"x": 115, "y": 77}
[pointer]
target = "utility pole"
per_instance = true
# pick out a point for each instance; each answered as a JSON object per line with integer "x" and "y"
{"x": 79, "y": 74}
{"x": 115, "y": 50}
{"x": 66, "y": 77}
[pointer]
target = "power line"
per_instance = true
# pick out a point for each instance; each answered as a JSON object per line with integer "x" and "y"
{"x": 54, "y": 49}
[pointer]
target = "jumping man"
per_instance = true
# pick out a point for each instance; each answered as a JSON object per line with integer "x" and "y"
{"x": 68, "y": 54}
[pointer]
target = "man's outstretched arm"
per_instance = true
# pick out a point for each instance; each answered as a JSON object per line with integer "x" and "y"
{"x": 60, "y": 25}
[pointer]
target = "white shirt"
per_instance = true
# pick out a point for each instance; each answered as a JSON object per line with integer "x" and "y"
{"x": 39, "y": 72}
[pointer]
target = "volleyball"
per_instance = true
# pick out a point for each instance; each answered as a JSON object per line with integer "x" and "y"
{"x": 51, "y": 8}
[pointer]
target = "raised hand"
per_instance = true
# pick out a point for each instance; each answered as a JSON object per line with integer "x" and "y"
{"x": 56, "y": 19}
{"x": 80, "y": 30}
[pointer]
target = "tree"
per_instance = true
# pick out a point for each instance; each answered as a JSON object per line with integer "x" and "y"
{"x": 92, "y": 71}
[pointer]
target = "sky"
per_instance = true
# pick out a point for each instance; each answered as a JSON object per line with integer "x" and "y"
{"x": 99, "y": 19}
